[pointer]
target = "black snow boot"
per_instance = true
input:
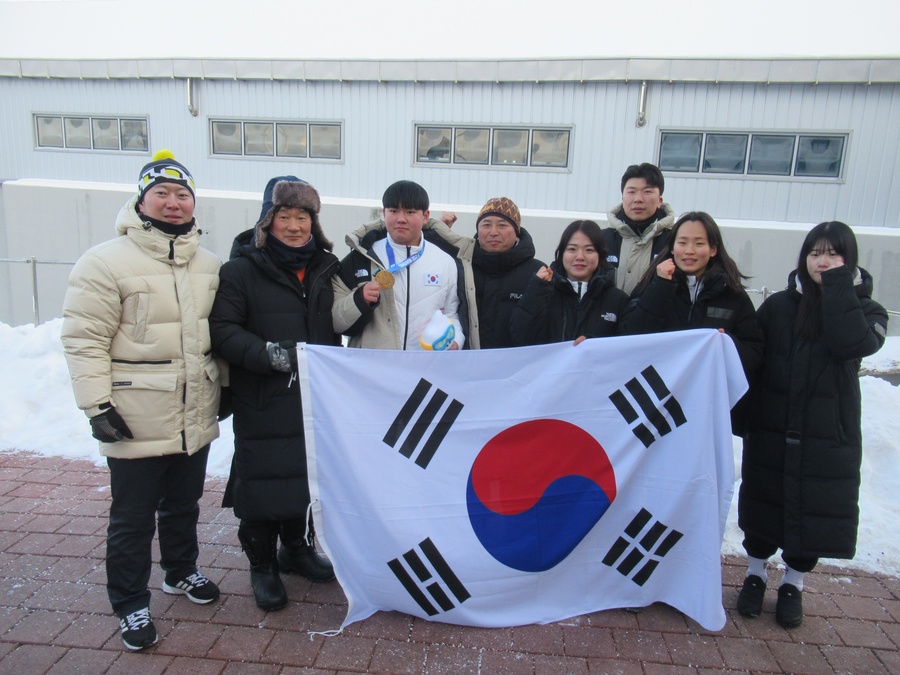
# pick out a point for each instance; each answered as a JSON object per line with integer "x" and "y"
{"x": 259, "y": 540}
{"x": 298, "y": 554}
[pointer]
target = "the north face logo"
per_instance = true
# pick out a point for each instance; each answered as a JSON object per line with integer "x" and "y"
{"x": 363, "y": 272}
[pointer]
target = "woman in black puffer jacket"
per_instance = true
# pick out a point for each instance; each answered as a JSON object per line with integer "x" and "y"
{"x": 274, "y": 292}
{"x": 694, "y": 283}
{"x": 573, "y": 299}
{"x": 803, "y": 451}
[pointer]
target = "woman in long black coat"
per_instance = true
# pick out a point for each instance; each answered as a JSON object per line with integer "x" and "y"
{"x": 274, "y": 292}
{"x": 573, "y": 299}
{"x": 802, "y": 455}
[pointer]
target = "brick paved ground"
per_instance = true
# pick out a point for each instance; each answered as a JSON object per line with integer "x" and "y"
{"x": 54, "y": 616}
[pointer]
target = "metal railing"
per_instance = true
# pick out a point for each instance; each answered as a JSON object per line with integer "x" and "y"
{"x": 35, "y": 295}
{"x": 765, "y": 291}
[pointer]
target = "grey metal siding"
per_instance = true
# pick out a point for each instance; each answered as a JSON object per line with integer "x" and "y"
{"x": 378, "y": 138}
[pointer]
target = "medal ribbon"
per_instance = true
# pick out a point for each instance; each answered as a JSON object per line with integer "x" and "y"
{"x": 394, "y": 266}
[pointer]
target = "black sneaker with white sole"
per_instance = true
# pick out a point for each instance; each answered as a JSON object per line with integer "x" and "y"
{"x": 196, "y": 587}
{"x": 138, "y": 631}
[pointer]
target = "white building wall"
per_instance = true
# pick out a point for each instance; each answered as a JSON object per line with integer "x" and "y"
{"x": 379, "y": 118}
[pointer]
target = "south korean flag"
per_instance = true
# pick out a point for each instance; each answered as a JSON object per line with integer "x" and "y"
{"x": 512, "y": 486}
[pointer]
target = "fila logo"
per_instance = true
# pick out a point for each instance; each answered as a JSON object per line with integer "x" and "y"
{"x": 426, "y": 569}
{"x": 644, "y": 554}
{"x": 415, "y": 429}
{"x": 652, "y": 413}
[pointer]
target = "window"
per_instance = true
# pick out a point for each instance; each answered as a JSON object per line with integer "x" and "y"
{"x": 819, "y": 156}
{"x": 472, "y": 146}
{"x": 261, "y": 138}
{"x": 325, "y": 141}
{"x": 291, "y": 140}
{"x": 680, "y": 152}
{"x": 226, "y": 138}
{"x": 105, "y": 133}
{"x": 753, "y": 154}
{"x": 549, "y": 148}
{"x": 85, "y": 132}
{"x": 134, "y": 135}
{"x": 77, "y": 132}
{"x": 492, "y": 146}
{"x": 433, "y": 145}
{"x": 772, "y": 155}
{"x": 510, "y": 147}
{"x": 49, "y": 132}
{"x": 725, "y": 153}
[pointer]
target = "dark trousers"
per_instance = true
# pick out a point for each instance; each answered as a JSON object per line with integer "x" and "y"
{"x": 291, "y": 532}
{"x": 168, "y": 488}
{"x": 756, "y": 548}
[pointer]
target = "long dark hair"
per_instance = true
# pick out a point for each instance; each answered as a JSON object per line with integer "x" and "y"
{"x": 832, "y": 234}
{"x": 591, "y": 231}
{"x": 733, "y": 276}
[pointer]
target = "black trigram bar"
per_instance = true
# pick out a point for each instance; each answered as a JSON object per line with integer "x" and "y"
{"x": 661, "y": 390}
{"x": 644, "y": 555}
{"x": 651, "y": 410}
{"x": 423, "y": 575}
{"x": 419, "y": 426}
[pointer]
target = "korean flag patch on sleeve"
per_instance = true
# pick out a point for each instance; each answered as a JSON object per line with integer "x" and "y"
{"x": 432, "y": 279}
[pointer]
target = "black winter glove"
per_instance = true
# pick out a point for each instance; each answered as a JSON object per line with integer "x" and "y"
{"x": 283, "y": 356}
{"x": 108, "y": 426}
{"x": 225, "y": 404}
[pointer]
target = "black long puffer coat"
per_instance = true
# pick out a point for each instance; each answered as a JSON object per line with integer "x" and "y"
{"x": 802, "y": 455}
{"x": 257, "y": 303}
{"x": 550, "y": 311}
{"x": 500, "y": 281}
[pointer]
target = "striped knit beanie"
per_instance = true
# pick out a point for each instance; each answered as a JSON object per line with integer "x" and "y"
{"x": 164, "y": 169}
{"x": 505, "y": 208}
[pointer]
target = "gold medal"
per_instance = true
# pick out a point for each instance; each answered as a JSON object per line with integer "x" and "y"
{"x": 385, "y": 279}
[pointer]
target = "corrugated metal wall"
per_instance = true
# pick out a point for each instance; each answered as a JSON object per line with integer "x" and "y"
{"x": 379, "y": 118}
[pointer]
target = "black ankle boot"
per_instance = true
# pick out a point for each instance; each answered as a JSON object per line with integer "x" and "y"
{"x": 298, "y": 554}
{"x": 259, "y": 541}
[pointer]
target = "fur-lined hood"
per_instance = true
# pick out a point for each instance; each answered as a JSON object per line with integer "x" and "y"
{"x": 657, "y": 227}
{"x": 292, "y": 195}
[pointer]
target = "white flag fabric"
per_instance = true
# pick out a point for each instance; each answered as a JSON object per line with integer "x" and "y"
{"x": 514, "y": 486}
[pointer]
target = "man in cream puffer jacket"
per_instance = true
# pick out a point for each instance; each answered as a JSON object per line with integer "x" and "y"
{"x": 136, "y": 340}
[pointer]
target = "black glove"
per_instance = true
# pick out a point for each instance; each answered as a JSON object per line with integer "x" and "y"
{"x": 225, "y": 404}
{"x": 283, "y": 356}
{"x": 108, "y": 426}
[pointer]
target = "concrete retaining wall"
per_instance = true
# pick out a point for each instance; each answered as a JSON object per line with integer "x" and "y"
{"x": 59, "y": 220}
